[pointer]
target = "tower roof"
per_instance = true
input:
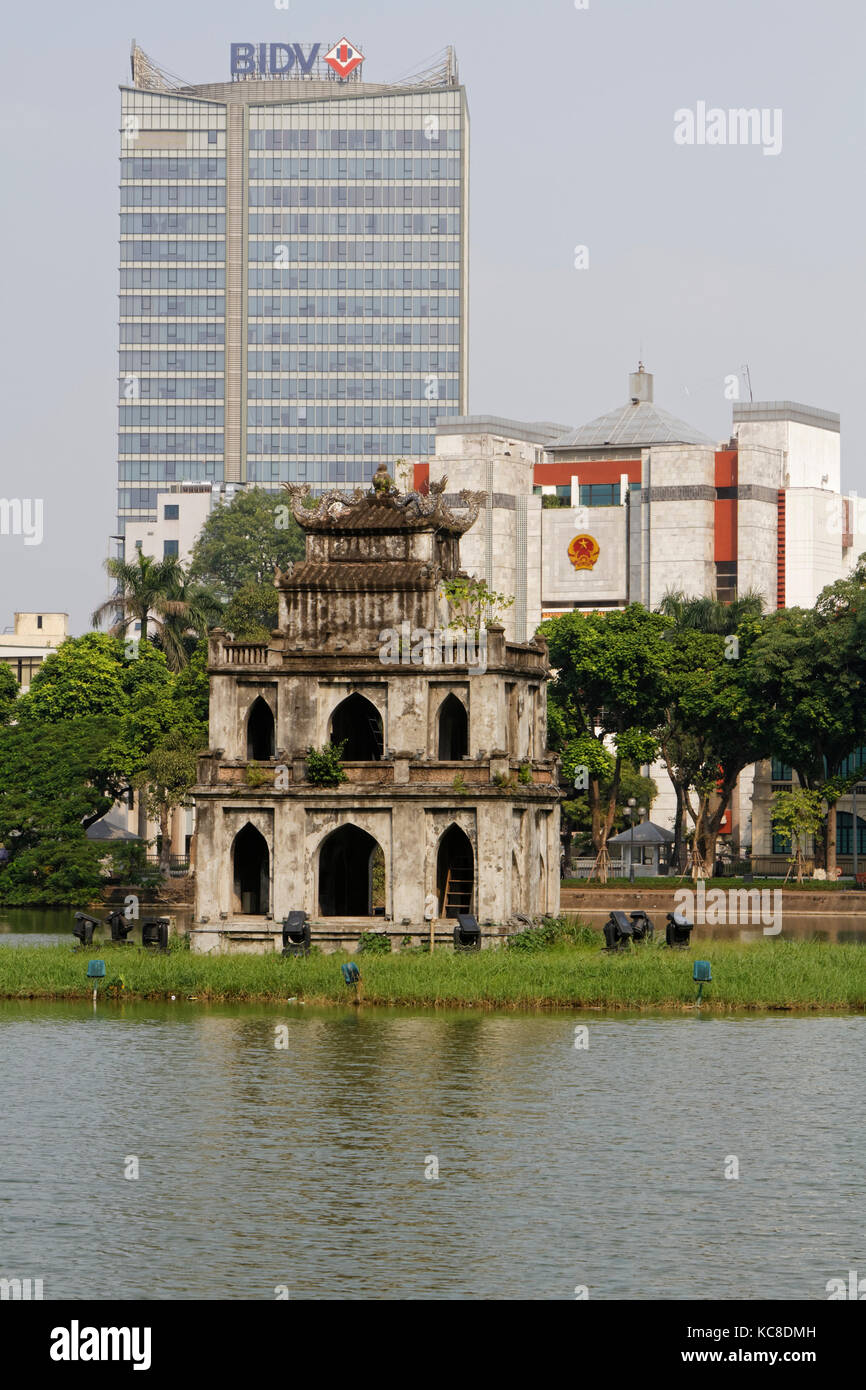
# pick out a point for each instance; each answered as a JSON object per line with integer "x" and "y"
{"x": 382, "y": 510}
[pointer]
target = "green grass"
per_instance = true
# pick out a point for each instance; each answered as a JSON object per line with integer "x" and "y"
{"x": 769, "y": 974}
{"x": 674, "y": 881}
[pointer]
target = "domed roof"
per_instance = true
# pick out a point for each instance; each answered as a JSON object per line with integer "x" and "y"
{"x": 637, "y": 424}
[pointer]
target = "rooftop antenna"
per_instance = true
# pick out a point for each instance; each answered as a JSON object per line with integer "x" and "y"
{"x": 745, "y": 370}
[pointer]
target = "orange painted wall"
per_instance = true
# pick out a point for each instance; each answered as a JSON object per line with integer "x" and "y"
{"x": 599, "y": 471}
{"x": 421, "y": 474}
{"x": 725, "y": 515}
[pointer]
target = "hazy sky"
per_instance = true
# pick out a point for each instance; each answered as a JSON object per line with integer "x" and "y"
{"x": 701, "y": 257}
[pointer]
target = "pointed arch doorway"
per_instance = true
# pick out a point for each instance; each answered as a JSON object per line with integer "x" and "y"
{"x": 455, "y": 873}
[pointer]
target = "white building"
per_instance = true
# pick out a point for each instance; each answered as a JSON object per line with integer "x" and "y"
{"x": 637, "y": 502}
{"x": 35, "y": 636}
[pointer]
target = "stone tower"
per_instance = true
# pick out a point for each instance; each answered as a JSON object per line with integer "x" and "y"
{"x": 450, "y": 800}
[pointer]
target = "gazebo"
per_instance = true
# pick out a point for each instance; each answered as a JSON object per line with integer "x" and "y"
{"x": 651, "y": 844}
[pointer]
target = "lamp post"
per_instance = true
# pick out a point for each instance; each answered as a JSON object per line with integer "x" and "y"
{"x": 854, "y": 818}
{"x": 629, "y": 811}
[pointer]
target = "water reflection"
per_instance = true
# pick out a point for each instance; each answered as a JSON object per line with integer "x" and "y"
{"x": 305, "y": 1166}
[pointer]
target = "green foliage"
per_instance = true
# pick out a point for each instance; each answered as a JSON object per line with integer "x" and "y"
{"x": 459, "y": 784}
{"x": 157, "y": 594}
{"x": 258, "y": 776}
{"x": 84, "y": 676}
{"x": 374, "y": 943}
{"x": 549, "y": 499}
{"x": 473, "y": 605}
{"x": 252, "y": 612}
{"x": 324, "y": 767}
{"x": 553, "y": 931}
{"x": 129, "y": 863}
{"x": 8, "y": 693}
{"x": 167, "y": 774}
{"x": 244, "y": 541}
{"x": 54, "y": 785}
{"x": 524, "y": 775}
{"x": 611, "y": 685}
{"x": 771, "y": 972}
{"x": 505, "y": 783}
{"x": 577, "y": 814}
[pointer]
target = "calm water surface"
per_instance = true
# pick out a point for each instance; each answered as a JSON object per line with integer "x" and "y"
{"x": 305, "y": 1167}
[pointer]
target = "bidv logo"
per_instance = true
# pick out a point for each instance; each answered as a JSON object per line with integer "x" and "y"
{"x": 343, "y": 58}
{"x": 274, "y": 59}
{"x": 279, "y": 59}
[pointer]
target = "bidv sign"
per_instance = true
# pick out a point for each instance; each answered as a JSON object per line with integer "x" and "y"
{"x": 281, "y": 59}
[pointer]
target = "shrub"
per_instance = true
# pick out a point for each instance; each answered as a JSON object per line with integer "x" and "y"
{"x": 552, "y": 931}
{"x": 374, "y": 943}
{"x": 324, "y": 767}
{"x": 258, "y": 776}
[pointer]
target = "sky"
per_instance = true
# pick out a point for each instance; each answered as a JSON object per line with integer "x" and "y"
{"x": 700, "y": 258}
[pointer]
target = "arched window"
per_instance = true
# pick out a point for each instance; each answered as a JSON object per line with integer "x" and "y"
{"x": 453, "y": 730}
{"x": 260, "y": 731}
{"x": 346, "y": 863}
{"x": 455, "y": 873}
{"x": 357, "y": 723}
{"x": 251, "y": 869}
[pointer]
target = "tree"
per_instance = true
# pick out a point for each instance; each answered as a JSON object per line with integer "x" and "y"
{"x": 610, "y": 688}
{"x": 252, "y": 612}
{"x": 699, "y": 614}
{"x": 796, "y": 814}
{"x": 697, "y": 653}
{"x": 54, "y": 786}
{"x": 82, "y": 677}
{"x": 809, "y": 667}
{"x": 8, "y": 692}
{"x": 168, "y": 773}
{"x": 155, "y": 593}
{"x": 577, "y": 814}
{"x": 472, "y": 604}
{"x": 244, "y": 541}
{"x": 193, "y": 609}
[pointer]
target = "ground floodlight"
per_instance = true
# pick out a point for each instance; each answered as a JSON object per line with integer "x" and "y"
{"x": 678, "y": 930}
{"x": 120, "y": 926}
{"x": 96, "y": 969}
{"x": 642, "y": 924}
{"x": 351, "y": 973}
{"x": 296, "y": 934}
{"x": 618, "y": 931}
{"x": 154, "y": 932}
{"x": 467, "y": 933}
{"x": 83, "y": 928}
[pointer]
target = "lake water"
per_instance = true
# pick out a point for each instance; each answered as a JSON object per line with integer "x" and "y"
{"x": 305, "y": 1167}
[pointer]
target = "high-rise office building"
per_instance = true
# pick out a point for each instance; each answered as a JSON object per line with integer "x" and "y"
{"x": 293, "y": 271}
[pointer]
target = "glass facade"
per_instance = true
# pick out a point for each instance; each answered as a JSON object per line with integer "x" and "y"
{"x": 292, "y": 283}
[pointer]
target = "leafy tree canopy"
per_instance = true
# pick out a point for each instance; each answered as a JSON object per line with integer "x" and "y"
{"x": 8, "y": 692}
{"x": 245, "y": 540}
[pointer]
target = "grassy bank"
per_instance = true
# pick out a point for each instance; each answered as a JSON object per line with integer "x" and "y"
{"x": 671, "y": 884}
{"x": 771, "y": 974}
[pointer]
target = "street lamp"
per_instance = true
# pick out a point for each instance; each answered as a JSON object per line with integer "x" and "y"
{"x": 629, "y": 811}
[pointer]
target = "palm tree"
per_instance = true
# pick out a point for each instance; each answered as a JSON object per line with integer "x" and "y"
{"x": 710, "y": 614}
{"x": 156, "y": 593}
